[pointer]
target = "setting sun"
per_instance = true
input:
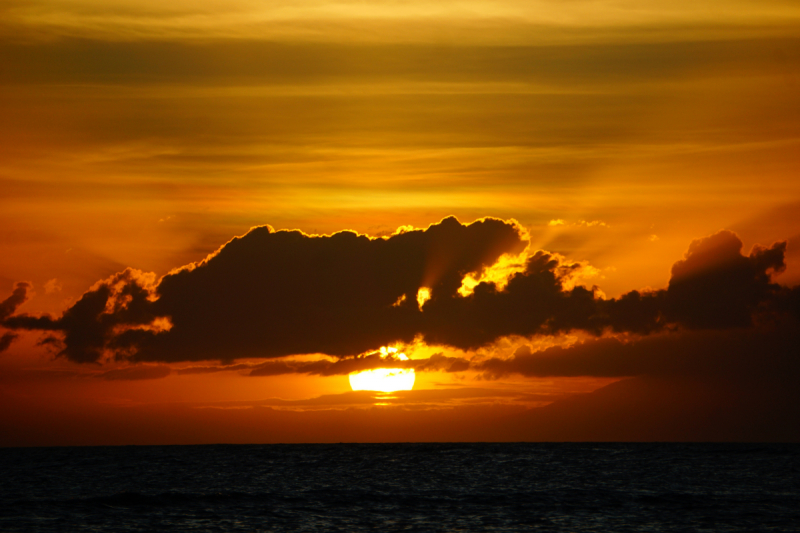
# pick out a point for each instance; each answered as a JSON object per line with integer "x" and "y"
{"x": 384, "y": 379}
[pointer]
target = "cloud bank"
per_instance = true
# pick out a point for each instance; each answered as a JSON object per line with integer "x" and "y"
{"x": 271, "y": 294}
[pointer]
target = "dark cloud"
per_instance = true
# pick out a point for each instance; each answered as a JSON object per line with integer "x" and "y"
{"x": 18, "y": 297}
{"x": 442, "y": 363}
{"x": 339, "y": 367}
{"x": 6, "y": 340}
{"x": 736, "y": 384}
{"x": 8, "y": 307}
{"x": 708, "y": 354}
{"x": 436, "y": 362}
{"x": 326, "y": 367}
{"x": 716, "y": 286}
{"x": 271, "y": 294}
{"x": 668, "y": 409}
{"x": 92, "y": 323}
{"x": 713, "y": 286}
{"x": 534, "y": 301}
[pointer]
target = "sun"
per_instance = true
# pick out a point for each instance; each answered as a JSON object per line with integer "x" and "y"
{"x": 384, "y": 379}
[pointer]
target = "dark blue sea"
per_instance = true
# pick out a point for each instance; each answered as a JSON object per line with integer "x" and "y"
{"x": 402, "y": 487}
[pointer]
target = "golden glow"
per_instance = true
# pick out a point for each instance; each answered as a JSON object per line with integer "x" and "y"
{"x": 160, "y": 324}
{"x": 499, "y": 273}
{"x": 423, "y": 295}
{"x": 384, "y": 379}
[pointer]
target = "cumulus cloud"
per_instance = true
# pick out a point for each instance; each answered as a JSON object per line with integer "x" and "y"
{"x": 713, "y": 286}
{"x": 716, "y": 286}
{"x": 272, "y": 294}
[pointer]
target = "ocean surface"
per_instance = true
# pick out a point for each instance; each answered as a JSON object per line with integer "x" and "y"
{"x": 402, "y": 487}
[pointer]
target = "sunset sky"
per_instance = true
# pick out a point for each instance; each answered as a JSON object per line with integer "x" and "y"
{"x": 211, "y": 213}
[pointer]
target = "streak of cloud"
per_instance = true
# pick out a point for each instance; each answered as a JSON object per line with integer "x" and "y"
{"x": 720, "y": 355}
{"x": 17, "y": 298}
{"x": 6, "y": 340}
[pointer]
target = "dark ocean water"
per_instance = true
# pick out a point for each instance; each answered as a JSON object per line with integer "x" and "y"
{"x": 402, "y": 487}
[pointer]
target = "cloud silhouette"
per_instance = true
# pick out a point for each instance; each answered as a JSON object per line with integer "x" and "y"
{"x": 716, "y": 286}
{"x": 271, "y": 294}
{"x": 90, "y": 326}
{"x": 6, "y": 340}
{"x": 708, "y": 354}
{"x": 20, "y": 294}
{"x": 8, "y": 307}
{"x": 713, "y": 286}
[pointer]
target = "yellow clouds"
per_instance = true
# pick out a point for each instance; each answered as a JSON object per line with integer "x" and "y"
{"x": 503, "y": 22}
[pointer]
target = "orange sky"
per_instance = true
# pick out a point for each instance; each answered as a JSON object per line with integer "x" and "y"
{"x": 145, "y": 135}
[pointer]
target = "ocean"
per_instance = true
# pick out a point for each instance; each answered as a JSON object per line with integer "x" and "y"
{"x": 402, "y": 487}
